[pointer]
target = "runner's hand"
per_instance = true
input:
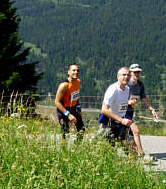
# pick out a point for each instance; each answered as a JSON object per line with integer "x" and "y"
{"x": 126, "y": 122}
{"x": 72, "y": 119}
{"x": 155, "y": 116}
{"x": 132, "y": 101}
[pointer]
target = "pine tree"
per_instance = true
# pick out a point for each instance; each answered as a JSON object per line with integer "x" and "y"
{"x": 16, "y": 74}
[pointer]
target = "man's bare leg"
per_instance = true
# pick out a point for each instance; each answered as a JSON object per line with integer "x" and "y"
{"x": 137, "y": 139}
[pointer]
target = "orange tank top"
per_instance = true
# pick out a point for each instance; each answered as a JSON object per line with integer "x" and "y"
{"x": 72, "y": 93}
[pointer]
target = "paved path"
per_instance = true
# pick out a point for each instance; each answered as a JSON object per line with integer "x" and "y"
{"x": 156, "y": 146}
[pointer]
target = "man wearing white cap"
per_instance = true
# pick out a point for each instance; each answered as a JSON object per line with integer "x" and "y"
{"x": 137, "y": 90}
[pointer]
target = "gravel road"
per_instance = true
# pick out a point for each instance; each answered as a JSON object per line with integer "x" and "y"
{"x": 155, "y": 146}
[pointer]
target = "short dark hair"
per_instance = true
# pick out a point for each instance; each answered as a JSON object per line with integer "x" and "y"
{"x": 72, "y": 64}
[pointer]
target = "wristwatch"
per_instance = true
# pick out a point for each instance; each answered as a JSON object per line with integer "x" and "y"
{"x": 66, "y": 113}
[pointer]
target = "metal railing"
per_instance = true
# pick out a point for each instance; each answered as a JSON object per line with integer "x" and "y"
{"x": 28, "y": 103}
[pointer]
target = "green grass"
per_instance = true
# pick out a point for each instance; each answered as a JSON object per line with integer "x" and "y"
{"x": 30, "y": 158}
{"x": 146, "y": 127}
{"x": 152, "y": 128}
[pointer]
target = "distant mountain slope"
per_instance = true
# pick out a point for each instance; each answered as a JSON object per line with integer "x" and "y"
{"x": 100, "y": 35}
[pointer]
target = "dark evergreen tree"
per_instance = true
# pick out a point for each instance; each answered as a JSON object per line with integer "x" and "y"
{"x": 16, "y": 74}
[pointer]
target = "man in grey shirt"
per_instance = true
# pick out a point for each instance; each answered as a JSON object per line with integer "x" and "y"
{"x": 137, "y": 91}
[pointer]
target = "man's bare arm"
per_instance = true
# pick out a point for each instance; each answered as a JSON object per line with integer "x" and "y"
{"x": 145, "y": 101}
{"x": 59, "y": 96}
{"x": 58, "y": 102}
{"x": 106, "y": 111}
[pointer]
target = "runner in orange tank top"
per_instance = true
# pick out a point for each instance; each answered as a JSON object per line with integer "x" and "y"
{"x": 71, "y": 97}
{"x": 67, "y": 101}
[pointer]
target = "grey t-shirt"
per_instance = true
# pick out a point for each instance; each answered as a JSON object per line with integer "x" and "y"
{"x": 136, "y": 90}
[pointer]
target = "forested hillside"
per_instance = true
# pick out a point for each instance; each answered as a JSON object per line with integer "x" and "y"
{"x": 100, "y": 35}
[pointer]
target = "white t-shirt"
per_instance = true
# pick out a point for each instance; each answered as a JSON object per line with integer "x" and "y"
{"x": 117, "y": 99}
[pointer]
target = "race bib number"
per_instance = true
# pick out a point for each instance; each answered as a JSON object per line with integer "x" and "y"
{"x": 75, "y": 95}
{"x": 123, "y": 108}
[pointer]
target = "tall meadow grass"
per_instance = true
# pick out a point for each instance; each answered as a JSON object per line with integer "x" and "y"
{"x": 30, "y": 158}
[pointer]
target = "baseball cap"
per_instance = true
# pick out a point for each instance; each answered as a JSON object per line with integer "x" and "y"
{"x": 135, "y": 68}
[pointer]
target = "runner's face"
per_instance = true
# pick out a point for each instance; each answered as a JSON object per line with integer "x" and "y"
{"x": 124, "y": 77}
{"x": 73, "y": 71}
{"x": 135, "y": 75}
